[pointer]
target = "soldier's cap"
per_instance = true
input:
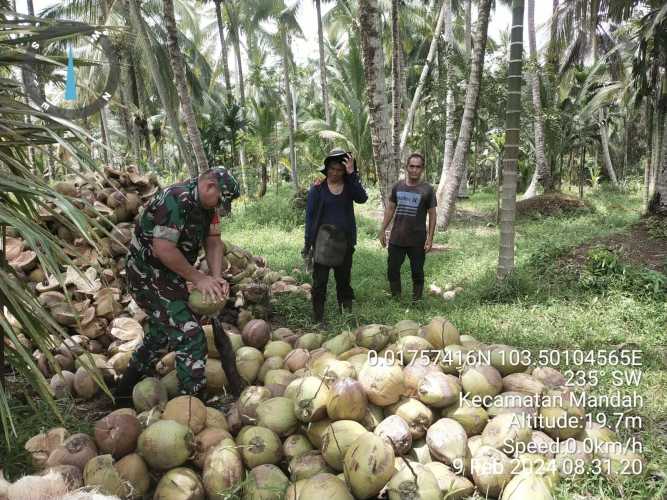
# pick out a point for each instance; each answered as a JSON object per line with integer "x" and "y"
{"x": 229, "y": 186}
{"x": 336, "y": 154}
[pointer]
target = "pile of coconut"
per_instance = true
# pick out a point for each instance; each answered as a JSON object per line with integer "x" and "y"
{"x": 88, "y": 299}
{"x": 383, "y": 411}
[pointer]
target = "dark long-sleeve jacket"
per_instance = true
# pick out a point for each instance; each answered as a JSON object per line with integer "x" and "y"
{"x": 353, "y": 192}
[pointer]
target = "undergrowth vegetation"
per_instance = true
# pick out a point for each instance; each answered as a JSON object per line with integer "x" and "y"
{"x": 553, "y": 301}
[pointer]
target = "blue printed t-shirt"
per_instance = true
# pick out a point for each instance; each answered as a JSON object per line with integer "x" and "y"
{"x": 412, "y": 205}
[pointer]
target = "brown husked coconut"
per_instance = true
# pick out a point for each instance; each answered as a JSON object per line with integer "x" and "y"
{"x": 347, "y": 400}
{"x": 256, "y": 333}
{"x": 41, "y": 445}
{"x": 550, "y": 377}
{"x": 440, "y": 332}
{"x": 205, "y": 440}
{"x": 296, "y": 359}
{"x": 76, "y": 450}
{"x": 186, "y": 410}
{"x": 395, "y": 430}
{"x": 522, "y": 382}
{"x": 180, "y": 483}
{"x": 133, "y": 470}
{"x": 481, "y": 380}
{"x": 147, "y": 394}
{"x": 84, "y": 384}
{"x": 117, "y": 434}
{"x": 215, "y": 419}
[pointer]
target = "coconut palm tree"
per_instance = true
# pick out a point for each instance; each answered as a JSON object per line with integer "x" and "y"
{"x": 457, "y": 168}
{"x": 323, "y": 65}
{"x": 512, "y": 130}
{"x": 223, "y": 47}
{"x": 373, "y": 54}
{"x": 542, "y": 173}
{"x": 396, "y": 77}
{"x": 430, "y": 58}
{"x": 178, "y": 68}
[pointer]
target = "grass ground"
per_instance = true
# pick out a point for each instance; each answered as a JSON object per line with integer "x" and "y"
{"x": 553, "y": 302}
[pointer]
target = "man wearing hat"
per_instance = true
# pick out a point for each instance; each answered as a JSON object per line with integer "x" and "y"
{"x": 167, "y": 239}
{"x": 331, "y": 229}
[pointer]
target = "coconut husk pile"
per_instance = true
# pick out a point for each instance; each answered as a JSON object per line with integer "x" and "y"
{"x": 403, "y": 411}
{"x": 89, "y": 300}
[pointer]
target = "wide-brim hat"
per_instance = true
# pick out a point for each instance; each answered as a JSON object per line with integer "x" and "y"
{"x": 334, "y": 154}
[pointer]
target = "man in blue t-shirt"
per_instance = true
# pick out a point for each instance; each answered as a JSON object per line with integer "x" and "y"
{"x": 410, "y": 200}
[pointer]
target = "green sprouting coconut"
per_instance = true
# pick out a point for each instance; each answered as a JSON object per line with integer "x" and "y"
{"x": 199, "y": 306}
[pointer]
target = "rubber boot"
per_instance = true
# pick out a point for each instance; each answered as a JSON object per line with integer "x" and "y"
{"x": 345, "y": 306}
{"x": 395, "y": 288}
{"x": 417, "y": 292}
{"x": 122, "y": 393}
{"x": 227, "y": 358}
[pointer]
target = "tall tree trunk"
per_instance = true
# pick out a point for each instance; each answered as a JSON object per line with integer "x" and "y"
{"x": 223, "y": 51}
{"x": 542, "y": 172}
{"x": 323, "y": 65}
{"x": 463, "y": 185}
{"x": 395, "y": 87}
{"x": 450, "y": 105}
{"x": 373, "y": 55}
{"x": 660, "y": 197}
{"x": 232, "y": 13}
{"x": 290, "y": 113}
{"x": 457, "y": 168}
{"x": 106, "y": 140}
{"x": 649, "y": 139}
{"x": 608, "y": 166}
{"x": 140, "y": 28}
{"x": 512, "y": 143}
{"x": 31, "y": 8}
{"x": 178, "y": 67}
{"x": 416, "y": 98}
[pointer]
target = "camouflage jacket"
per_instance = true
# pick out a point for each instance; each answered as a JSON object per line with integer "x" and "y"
{"x": 174, "y": 214}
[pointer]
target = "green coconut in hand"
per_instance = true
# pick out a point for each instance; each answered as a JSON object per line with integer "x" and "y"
{"x": 203, "y": 307}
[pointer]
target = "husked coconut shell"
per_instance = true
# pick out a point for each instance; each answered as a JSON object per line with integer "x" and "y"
{"x": 256, "y": 333}
{"x": 133, "y": 469}
{"x": 76, "y": 450}
{"x": 51, "y": 299}
{"x": 117, "y": 434}
{"x": 186, "y": 410}
{"x": 13, "y": 248}
{"x": 25, "y": 261}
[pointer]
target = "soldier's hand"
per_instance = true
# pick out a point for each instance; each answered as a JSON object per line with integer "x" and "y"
{"x": 383, "y": 238}
{"x": 211, "y": 288}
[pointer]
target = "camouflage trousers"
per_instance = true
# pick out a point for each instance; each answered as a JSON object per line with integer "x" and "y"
{"x": 172, "y": 326}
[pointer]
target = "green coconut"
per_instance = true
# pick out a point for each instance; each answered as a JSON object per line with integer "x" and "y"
{"x": 186, "y": 410}
{"x": 383, "y": 382}
{"x": 310, "y": 400}
{"x": 133, "y": 470}
{"x": 265, "y": 482}
{"x": 337, "y": 439}
{"x": 295, "y": 445}
{"x": 481, "y": 380}
{"x": 166, "y": 444}
{"x": 307, "y": 465}
{"x": 507, "y": 431}
{"x": 453, "y": 487}
{"x": 326, "y": 486}
{"x": 527, "y": 484}
{"x": 373, "y": 337}
{"x": 406, "y": 327}
{"x": 100, "y": 473}
{"x": 278, "y": 415}
{"x": 223, "y": 469}
{"x": 205, "y": 308}
{"x": 248, "y": 363}
{"x": 249, "y": 400}
{"x": 340, "y": 343}
{"x": 447, "y": 441}
{"x": 440, "y": 332}
{"x": 347, "y": 400}
{"x": 438, "y": 390}
{"x": 368, "y": 465}
{"x": 277, "y": 348}
{"x": 416, "y": 414}
{"x": 415, "y": 481}
{"x": 310, "y": 341}
{"x": 259, "y": 446}
{"x": 473, "y": 418}
{"x": 508, "y": 360}
{"x": 396, "y": 432}
{"x": 180, "y": 483}
{"x": 492, "y": 471}
{"x": 412, "y": 347}
{"x": 148, "y": 394}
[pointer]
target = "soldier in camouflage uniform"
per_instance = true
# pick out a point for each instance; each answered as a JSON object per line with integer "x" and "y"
{"x": 172, "y": 228}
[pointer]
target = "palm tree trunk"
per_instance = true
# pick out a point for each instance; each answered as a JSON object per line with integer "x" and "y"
{"x": 139, "y": 27}
{"x": 178, "y": 67}
{"x": 450, "y": 104}
{"x": 106, "y": 140}
{"x": 542, "y": 173}
{"x": 660, "y": 204}
{"x": 373, "y": 55}
{"x": 223, "y": 51}
{"x": 463, "y": 185}
{"x": 290, "y": 116}
{"x": 232, "y": 14}
{"x": 512, "y": 130}
{"x": 457, "y": 167}
{"x": 395, "y": 87}
{"x": 407, "y": 127}
{"x": 323, "y": 66}
{"x": 608, "y": 166}
{"x": 31, "y": 8}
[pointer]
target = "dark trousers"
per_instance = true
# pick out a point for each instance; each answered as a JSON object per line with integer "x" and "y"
{"x": 342, "y": 273}
{"x": 395, "y": 260}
